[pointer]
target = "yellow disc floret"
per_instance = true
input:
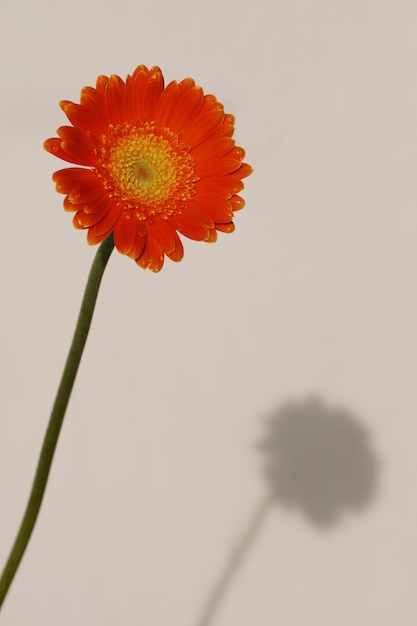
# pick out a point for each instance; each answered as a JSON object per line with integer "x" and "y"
{"x": 146, "y": 168}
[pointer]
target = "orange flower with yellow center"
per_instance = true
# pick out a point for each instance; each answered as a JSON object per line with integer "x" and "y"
{"x": 156, "y": 161}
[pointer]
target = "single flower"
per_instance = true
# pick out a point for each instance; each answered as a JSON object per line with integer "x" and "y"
{"x": 157, "y": 161}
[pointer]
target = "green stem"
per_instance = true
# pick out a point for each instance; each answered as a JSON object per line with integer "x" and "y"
{"x": 57, "y": 415}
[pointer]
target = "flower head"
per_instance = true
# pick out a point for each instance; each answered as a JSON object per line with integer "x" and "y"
{"x": 156, "y": 161}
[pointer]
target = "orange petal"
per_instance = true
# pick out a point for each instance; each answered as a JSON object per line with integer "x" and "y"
{"x": 86, "y": 193}
{"x": 226, "y": 228}
{"x": 237, "y": 203}
{"x": 138, "y": 247}
{"x": 207, "y": 122}
{"x": 68, "y": 206}
{"x": 244, "y": 170}
{"x": 129, "y": 101}
{"x": 125, "y": 232}
{"x": 137, "y": 91}
{"x": 53, "y": 146}
{"x": 101, "y": 84}
{"x": 219, "y": 209}
{"x": 98, "y": 204}
{"x": 213, "y": 149}
{"x": 94, "y": 239}
{"x": 115, "y": 100}
{"x": 69, "y": 133}
{"x": 84, "y": 220}
{"x": 78, "y": 153}
{"x": 199, "y": 214}
{"x": 227, "y": 128}
{"x": 166, "y": 104}
{"x": 71, "y": 177}
{"x": 217, "y": 167}
{"x": 189, "y": 105}
{"x": 163, "y": 232}
{"x": 178, "y": 252}
{"x": 191, "y": 228}
{"x": 237, "y": 153}
{"x": 81, "y": 117}
{"x": 94, "y": 102}
{"x": 152, "y": 256}
{"x": 225, "y": 186}
{"x": 106, "y": 225}
{"x": 141, "y": 227}
{"x": 153, "y": 92}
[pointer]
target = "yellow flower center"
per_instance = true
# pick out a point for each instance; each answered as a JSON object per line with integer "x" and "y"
{"x": 146, "y": 168}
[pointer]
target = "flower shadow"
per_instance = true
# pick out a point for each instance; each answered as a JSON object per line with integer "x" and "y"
{"x": 318, "y": 460}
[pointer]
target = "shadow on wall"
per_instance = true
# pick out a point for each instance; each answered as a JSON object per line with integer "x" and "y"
{"x": 317, "y": 459}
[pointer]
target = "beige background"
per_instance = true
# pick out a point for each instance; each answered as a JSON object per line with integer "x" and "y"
{"x": 240, "y": 446}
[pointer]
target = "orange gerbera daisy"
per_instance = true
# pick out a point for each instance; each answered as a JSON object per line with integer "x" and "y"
{"x": 157, "y": 160}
